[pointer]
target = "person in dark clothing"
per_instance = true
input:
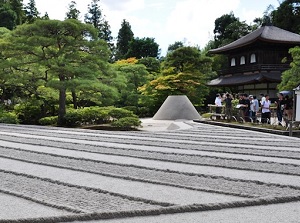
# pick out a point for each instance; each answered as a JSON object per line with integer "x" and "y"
{"x": 244, "y": 104}
{"x": 288, "y": 108}
{"x": 247, "y": 108}
{"x": 228, "y": 106}
{"x": 280, "y": 107}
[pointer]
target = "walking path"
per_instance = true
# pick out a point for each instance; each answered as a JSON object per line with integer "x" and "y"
{"x": 170, "y": 171}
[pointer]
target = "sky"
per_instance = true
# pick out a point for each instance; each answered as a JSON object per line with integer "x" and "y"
{"x": 167, "y": 21}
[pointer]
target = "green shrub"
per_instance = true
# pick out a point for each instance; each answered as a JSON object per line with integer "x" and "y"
{"x": 95, "y": 115}
{"x": 73, "y": 118}
{"x": 85, "y": 116}
{"x": 9, "y": 118}
{"x": 134, "y": 109}
{"x": 51, "y": 120}
{"x": 101, "y": 115}
{"x": 127, "y": 122}
{"x": 118, "y": 113}
{"x": 28, "y": 113}
{"x": 206, "y": 115}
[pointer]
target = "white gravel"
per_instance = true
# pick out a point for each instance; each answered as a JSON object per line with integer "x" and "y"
{"x": 12, "y": 207}
{"x": 57, "y": 173}
{"x": 276, "y": 213}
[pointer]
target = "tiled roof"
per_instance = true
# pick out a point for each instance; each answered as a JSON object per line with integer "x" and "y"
{"x": 246, "y": 79}
{"x": 266, "y": 34}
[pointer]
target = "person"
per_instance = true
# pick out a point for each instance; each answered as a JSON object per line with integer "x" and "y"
{"x": 265, "y": 110}
{"x": 262, "y": 98}
{"x": 244, "y": 106}
{"x": 218, "y": 103}
{"x": 288, "y": 107}
{"x": 252, "y": 108}
{"x": 256, "y": 108}
{"x": 228, "y": 106}
{"x": 279, "y": 107}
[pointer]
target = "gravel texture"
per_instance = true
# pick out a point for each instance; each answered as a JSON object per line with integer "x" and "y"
{"x": 73, "y": 174}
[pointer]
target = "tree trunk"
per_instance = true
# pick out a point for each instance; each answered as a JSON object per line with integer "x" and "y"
{"x": 62, "y": 107}
{"x": 74, "y": 96}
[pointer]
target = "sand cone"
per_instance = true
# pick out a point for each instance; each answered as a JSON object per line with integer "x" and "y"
{"x": 177, "y": 107}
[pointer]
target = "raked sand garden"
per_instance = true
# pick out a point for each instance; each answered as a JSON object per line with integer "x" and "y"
{"x": 202, "y": 173}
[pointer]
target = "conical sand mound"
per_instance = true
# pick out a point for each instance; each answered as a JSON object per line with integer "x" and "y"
{"x": 177, "y": 107}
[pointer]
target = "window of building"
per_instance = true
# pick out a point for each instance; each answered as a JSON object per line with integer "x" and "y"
{"x": 253, "y": 58}
{"x": 242, "y": 60}
{"x": 232, "y": 62}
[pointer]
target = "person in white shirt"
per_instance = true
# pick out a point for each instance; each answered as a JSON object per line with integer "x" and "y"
{"x": 262, "y": 98}
{"x": 218, "y": 103}
{"x": 265, "y": 110}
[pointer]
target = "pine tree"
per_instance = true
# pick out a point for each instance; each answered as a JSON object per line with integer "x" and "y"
{"x": 31, "y": 11}
{"x": 7, "y": 16}
{"x": 45, "y": 17}
{"x": 96, "y": 18}
{"x": 17, "y": 7}
{"x": 125, "y": 36}
{"x": 73, "y": 12}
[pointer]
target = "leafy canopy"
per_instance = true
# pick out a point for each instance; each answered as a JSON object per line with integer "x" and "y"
{"x": 291, "y": 77}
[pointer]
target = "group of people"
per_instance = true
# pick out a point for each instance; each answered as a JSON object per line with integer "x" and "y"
{"x": 284, "y": 107}
{"x": 249, "y": 105}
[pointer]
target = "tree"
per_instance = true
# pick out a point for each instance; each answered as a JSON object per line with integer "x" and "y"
{"x": 46, "y": 16}
{"x": 73, "y": 12}
{"x": 186, "y": 59}
{"x": 229, "y": 28}
{"x": 61, "y": 51}
{"x": 287, "y": 16}
{"x": 136, "y": 76}
{"x": 125, "y": 36}
{"x": 175, "y": 46}
{"x": 152, "y": 64}
{"x": 18, "y": 8}
{"x": 7, "y": 16}
{"x": 95, "y": 18}
{"x": 145, "y": 47}
{"x": 291, "y": 77}
{"x": 267, "y": 18}
{"x": 185, "y": 71}
{"x": 31, "y": 11}
{"x": 106, "y": 34}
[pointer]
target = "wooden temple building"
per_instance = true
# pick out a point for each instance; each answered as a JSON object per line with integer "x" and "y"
{"x": 255, "y": 61}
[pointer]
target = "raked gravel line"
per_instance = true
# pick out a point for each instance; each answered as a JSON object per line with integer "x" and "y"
{"x": 139, "y": 159}
{"x": 281, "y": 151}
{"x": 200, "y": 182}
{"x": 166, "y": 137}
{"x": 240, "y": 164}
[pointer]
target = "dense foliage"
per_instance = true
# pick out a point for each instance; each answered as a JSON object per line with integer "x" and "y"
{"x": 73, "y": 73}
{"x": 291, "y": 77}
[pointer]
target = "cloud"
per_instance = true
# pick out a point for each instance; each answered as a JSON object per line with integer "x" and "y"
{"x": 123, "y": 6}
{"x": 191, "y": 20}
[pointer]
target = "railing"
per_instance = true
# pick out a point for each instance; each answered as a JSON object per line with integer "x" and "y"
{"x": 253, "y": 68}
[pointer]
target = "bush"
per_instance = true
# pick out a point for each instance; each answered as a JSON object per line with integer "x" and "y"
{"x": 95, "y": 115}
{"x": 206, "y": 115}
{"x": 28, "y": 113}
{"x": 101, "y": 115}
{"x": 51, "y": 120}
{"x": 9, "y": 118}
{"x": 118, "y": 113}
{"x": 127, "y": 122}
{"x": 89, "y": 115}
{"x": 73, "y": 118}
